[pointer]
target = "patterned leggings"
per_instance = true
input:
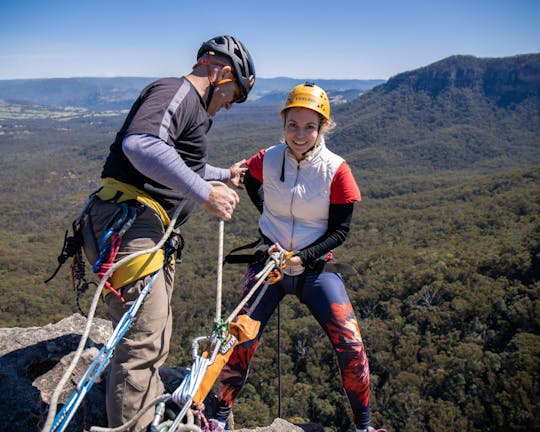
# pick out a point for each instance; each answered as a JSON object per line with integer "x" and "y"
{"x": 325, "y": 296}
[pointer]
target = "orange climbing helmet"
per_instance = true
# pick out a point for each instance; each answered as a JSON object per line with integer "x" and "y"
{"x": 308, "y": 95}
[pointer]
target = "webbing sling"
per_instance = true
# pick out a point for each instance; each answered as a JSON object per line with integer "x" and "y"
{"x": 318, "y": 266}
{"x": 142, "y": 265}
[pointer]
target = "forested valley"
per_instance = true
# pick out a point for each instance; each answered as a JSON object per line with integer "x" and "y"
{"x": 446, "y": 241}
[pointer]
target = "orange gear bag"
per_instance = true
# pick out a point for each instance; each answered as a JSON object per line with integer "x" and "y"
{"x": 242, "y": 330}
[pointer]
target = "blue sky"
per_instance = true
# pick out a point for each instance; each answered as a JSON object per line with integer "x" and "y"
{"x": 300, "y": 39}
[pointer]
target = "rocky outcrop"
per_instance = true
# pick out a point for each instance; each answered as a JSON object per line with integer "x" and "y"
{"x": 33, "y": 361}
{"x": 506, "y": 80}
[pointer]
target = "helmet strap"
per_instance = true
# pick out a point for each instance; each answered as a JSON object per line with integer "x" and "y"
{"x": 309, "y": 150}
{"x": 213, "y": 83}
{"x": 316, "y": 138}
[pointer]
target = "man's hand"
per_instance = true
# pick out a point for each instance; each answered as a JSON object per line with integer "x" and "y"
{"x": 237, "y": 174}
{"x": 221, "y": 202}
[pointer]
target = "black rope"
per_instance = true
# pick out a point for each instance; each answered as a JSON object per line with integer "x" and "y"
{"x": 279, "y": 357}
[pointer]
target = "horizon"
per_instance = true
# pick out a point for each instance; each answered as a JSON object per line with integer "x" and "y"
{"x": 349, "y": 40}
{"x": 260, "y": 77}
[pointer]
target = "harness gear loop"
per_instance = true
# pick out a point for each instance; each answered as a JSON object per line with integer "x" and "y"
{"x": 73, "y": 244}
{"x": 116, "y": 240}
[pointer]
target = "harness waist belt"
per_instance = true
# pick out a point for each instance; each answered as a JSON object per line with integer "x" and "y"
{"x": 319, "y": 266}
{"x": 145, "y": 264}
{"x": 111, "y": 187}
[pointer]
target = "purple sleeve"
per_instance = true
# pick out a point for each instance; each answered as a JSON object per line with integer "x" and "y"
{"x": 157, "y": 160}
{"x": 214, "y": 173}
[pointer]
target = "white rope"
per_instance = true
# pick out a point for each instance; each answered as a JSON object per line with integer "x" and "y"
{"x": 125, "y": 426}
{"x": 190, "y": 426}
{"x": 219, "y": 271}
{"x": 271, "y": 263}
{"x": 58, "y": 390}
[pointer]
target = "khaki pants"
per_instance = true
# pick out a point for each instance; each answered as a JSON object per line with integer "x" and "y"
{"x": 133, "y": 380}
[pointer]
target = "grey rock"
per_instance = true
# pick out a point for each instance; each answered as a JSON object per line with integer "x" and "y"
{"x": 33, "y": 361}
{"x": 280, "y": 425}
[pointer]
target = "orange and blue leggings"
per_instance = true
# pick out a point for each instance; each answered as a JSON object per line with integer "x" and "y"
{"x": 325, "y": 296}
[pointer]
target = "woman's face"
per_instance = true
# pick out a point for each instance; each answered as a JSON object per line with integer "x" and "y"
{"x": 301, "y": 130}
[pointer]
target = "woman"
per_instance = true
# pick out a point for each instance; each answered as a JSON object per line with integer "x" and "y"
{"x": 305, "y": 194}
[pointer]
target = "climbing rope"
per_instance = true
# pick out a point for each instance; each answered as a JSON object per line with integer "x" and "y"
{"x": 58, "y": 423}
{"x": 184, "y": 394}
{"x": 162, "y": 427}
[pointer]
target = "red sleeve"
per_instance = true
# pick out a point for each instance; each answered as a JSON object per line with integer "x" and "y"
{"x": 344, "y": 189}
{"x": 255, "y": 165}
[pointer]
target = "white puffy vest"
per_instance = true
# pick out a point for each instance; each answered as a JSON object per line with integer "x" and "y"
{"x": 296, "y": 210}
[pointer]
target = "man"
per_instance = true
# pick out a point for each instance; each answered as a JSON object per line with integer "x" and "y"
{"x": 158, "y": 162}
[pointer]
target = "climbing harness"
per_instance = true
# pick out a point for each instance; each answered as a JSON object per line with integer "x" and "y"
{"x": 131, "y": 203}
{"x": 59, "y": 422}
{"x": 318, "y": 266}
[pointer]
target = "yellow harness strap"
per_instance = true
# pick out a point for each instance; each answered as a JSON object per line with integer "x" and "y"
{"x": 145, "y": 264}
{"x": 110, "y": 187}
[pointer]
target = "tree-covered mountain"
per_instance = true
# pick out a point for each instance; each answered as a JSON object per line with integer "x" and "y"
{"x": 446, "y": 242}
{"x": 461, "y": 112}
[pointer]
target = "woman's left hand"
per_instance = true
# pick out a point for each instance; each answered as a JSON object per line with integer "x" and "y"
{"x": 293, "y": 260}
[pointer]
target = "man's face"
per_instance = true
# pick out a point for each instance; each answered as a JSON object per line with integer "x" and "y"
{"x": 224, "y": 96}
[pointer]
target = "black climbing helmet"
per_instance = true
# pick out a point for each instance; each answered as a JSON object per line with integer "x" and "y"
{"x": 240, "y": 57}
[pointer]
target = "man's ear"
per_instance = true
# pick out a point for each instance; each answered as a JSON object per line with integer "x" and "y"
{"x": 226, "y": 71}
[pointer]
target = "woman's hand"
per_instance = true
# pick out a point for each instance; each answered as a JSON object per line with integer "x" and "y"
{"x": 291, "y": 261}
